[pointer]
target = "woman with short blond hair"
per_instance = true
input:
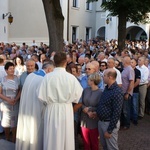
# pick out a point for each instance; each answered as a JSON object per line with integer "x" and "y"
{"x": 89, "y": 126}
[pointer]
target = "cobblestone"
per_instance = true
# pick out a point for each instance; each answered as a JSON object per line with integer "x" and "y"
{"x": 136, "y": 138}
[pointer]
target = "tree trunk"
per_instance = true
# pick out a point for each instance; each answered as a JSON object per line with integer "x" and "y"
{"x": 121, "y": 30}
{"x": 55, "y": 22}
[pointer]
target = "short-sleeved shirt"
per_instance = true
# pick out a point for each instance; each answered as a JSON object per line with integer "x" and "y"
{"x": 137, "y": 76}
{"x": 127, "y": 75}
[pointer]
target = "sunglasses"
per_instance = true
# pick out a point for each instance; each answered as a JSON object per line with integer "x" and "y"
{"x": 87, "y": 68}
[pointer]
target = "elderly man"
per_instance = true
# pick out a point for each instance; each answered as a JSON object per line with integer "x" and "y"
{"x": 128, "y": 76}
{"x": 143, "y": 85}
{"x": 59, "y": 90}
{"x": 90, "y": 68}
{"x": 101, "y": 57}
{"x": 81, "y": 61}
{"x": 109, "y": 111}
{"x": 111, "y": 64}
{"x": 30, "y": 65}
{"x": 36, "y": 59}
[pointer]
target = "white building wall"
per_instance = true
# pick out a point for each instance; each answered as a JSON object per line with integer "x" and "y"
{"x": 100, "y": 17}
{"x": 111, "y": 29}
{"x": 81, "y": 18}
{"x": 30, "y": 22}
{"x": 4, "y": 26}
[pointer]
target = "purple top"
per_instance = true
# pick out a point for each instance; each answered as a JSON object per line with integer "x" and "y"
{"x": 127, "y": 75}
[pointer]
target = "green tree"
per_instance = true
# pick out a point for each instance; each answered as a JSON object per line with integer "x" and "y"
{"x": 55, "y": 24}
{"x": 126, "y": 10}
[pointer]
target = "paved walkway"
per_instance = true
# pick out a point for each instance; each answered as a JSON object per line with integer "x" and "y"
{"x": 136, "y": 138}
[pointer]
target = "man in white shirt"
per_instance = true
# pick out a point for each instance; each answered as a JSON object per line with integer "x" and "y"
{"x": 36, "y": 59}
{"x": 101, "y": 57}
{"x": 143, "y": 85}
{"x": 111, "y": 64}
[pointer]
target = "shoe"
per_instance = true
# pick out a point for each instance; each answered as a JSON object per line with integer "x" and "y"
{"x": 135, "y": 122}
{"x": 140, "y": 118}
{"x": 124, "y": 128}
{"x": 1, "y": 133}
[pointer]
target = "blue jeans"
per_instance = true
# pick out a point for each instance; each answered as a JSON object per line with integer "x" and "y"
{"x": 125, "y": 116}
{"x": 135, "y": 106}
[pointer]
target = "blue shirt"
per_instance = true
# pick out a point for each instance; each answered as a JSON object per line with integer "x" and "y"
{"x": 40, "y": 72}
{"x": 22, "y": 78}
{"x": 110, "y": 105}
{"x": 84, "y": 83}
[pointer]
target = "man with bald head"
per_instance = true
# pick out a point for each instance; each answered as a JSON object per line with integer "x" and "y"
{"x": 111, "y": 64}
{"x": 101, "y": 57}
{"x": 96, "y": 64}
{"x": 128, "y": 76}
{"x": 90, "y": 69}
{"x": 109, "y": 111}
{"x": 81, "y": 61}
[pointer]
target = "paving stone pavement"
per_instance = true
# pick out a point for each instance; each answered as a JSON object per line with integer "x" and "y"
{"x": 136, "y": 138}
{"x": 5, "y": 145}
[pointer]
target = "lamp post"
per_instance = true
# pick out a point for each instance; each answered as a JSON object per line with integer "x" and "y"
{"x": 10, "y": 17}
{"x": 108, "y": 20}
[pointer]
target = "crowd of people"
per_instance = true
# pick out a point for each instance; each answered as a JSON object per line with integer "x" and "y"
{"x": 90, "y": 88}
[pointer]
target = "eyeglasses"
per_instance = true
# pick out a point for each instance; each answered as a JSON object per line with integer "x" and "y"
{"x": 103, "y": 65}
{"x": 87, "y": 68}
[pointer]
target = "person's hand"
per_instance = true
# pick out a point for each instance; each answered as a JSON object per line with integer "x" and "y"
{"x": 107, "y": 135}
{"x": 126, "y": 96}
{"x": 92, "y": 115}
{"x": 15, "y": 101}
{"x": 11, "y": 101}
{"x": 85, "y": 110}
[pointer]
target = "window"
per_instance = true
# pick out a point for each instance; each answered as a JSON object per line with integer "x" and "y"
{"x": 75, "y": 3}
{"x": 88, "y": 6}
{"x": 88, "y": 34}
{"x": 74, "y": 34}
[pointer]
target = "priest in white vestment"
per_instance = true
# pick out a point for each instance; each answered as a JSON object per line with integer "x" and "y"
{"x": 30, "y": 120}
{"x": 59, "y": 90}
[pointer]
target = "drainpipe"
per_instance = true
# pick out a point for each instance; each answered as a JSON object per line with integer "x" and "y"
{"x": 68, "y": 21}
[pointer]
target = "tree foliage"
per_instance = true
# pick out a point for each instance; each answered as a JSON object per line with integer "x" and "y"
{"x": 134, "y": 10}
